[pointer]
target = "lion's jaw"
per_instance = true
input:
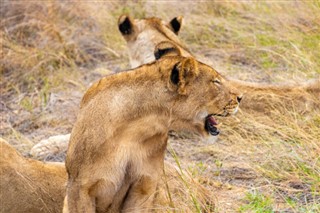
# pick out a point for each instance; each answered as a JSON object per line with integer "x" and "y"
{"x": 198, "y": 125}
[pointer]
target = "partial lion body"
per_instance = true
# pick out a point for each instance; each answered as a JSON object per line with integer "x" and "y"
{"x": 266, "y": 97}
{"x": 28, "y": 185}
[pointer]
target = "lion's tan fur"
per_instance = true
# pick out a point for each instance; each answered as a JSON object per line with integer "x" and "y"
{"x": 266, "y": 98}
{"x": 117, "y": 146}
{"x": 28, "y": 185}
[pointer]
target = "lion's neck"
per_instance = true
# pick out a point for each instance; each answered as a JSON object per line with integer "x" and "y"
{"x": 132, "y": 111}
{"x": 141, "y": 50}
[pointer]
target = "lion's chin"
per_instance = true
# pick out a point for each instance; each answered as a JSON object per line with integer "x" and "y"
{"x": 205, "y": 136}
{"x": 210, "y": 139}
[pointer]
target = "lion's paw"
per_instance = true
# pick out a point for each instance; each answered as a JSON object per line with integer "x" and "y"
{"x": 49, "y": 147}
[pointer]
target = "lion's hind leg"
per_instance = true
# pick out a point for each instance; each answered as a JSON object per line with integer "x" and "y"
{"x": 140, "y": 195}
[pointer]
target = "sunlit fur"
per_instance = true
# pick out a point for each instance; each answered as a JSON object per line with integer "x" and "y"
{"x": 28, "y": 185}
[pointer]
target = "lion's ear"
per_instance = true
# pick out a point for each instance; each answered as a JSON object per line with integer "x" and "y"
{"x": 182, "y": 75}
{"x": 166, "y": 48}
{"x": 125, "y": 24}
{"x": 175, "y": 24}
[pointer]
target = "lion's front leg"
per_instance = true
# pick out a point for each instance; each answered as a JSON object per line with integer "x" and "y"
{"x": 96, "y": 197}
{"x": 140, "y": 195}
{"x": 78, "y": 200}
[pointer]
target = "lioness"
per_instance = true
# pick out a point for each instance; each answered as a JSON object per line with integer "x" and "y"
{"x": 142, "y": 35}
{"x": 117, "y": 146}
{"x": 28, "y": 185}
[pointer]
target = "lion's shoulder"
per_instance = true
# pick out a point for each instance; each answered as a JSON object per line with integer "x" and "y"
{"x": 117, "y": 80}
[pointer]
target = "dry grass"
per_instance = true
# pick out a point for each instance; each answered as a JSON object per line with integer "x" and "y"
{"x": 265, "y": 161}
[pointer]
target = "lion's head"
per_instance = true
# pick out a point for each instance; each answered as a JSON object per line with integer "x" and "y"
{"x": 201, "y": 93}
{"x": 142, "y": 35}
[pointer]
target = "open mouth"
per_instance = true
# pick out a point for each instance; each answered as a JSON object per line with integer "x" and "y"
{"x": 211, "y": 125}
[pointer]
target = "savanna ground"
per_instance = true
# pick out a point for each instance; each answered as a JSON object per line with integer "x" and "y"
{"x": 51, "y": 51}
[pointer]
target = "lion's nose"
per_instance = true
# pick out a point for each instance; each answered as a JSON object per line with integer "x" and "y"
{"x": 239, "y": 98}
